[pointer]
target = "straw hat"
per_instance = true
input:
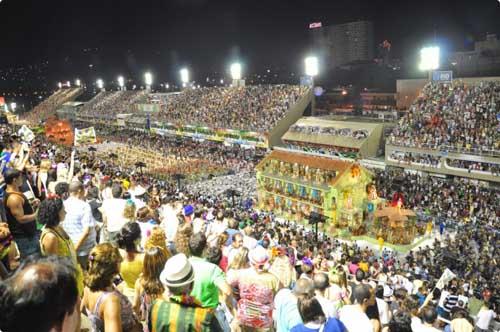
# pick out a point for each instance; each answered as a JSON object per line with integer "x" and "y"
{"x": 177, "y": 272}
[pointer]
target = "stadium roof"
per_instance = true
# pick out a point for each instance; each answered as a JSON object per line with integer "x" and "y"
{"x": 330, "y": 164}
{"x": 318, "y": 137}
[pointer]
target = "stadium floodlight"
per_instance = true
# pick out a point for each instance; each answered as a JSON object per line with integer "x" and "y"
{"x": 184, "y": 75}
{"x": 235, "y": 70}
{"x": 59, "y": 85}
{"x": 429, "y": 58}
{"x": 148, "y": 79}
{"x": 121, "y": 81}
{"x": 100, "y": 84}
{"x": 78, "y": 82}
{"x": 312, "y": 66}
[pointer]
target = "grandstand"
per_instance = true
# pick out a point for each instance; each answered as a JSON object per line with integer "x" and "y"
{"x": 335, "y": 138}
{"x": 251, "y": 114}
{"x": 451, "y": 129}
{"x": 49, "y": 106}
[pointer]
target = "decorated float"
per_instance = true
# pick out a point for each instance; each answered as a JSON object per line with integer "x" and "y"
{"x": 297, "y": 185}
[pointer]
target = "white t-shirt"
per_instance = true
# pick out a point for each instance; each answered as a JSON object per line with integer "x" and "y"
{"x": 113, "y": 209}
{"x": 383, "y": 311}
{"x": 354, "y": 319}
{"x": 484, "y": 318}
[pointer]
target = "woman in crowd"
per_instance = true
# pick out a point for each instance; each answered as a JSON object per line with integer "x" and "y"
{"x": 146, "y": 220}
{"x": 54, "y": 240}
{"x": 129, "y": 211}
{"x": 128, "y": 241}
{"x": 107, "y": 308}
{"x": 313, "y": 318}
{"x": 338, "y": 290}
{"x": 181, "y": 240}
{"x": 149, "y": 287}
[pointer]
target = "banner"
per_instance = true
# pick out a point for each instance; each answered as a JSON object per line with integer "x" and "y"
{"x": 85, "y": 136}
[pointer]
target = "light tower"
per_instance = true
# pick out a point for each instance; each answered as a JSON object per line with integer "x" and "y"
{"x": 429, "y": 59}
{"x": 235, "y": 70}
{"x": 100, "y": 84}
{"x": 184, "y": 72}
{"x": 148, "y": 79}
{"x": 121, "y": 83}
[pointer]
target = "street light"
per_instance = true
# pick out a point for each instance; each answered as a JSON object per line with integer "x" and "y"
{"x": 429, "y": 58}
{"x": 121, "y": 82}
{"x": 100, "y": 84}
{"x": 312, "y": 67}
{"x": 13, "y": 106}
{"x": 59, "y": 85}
{"x": 78, "y": 83}
{"x": 235, "y": 70}
{"x": 68, "y": 84}
{"x": 184, "y": 76}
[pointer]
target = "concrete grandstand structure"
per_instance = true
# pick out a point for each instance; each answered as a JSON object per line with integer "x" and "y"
{"x": 335, "y": 138}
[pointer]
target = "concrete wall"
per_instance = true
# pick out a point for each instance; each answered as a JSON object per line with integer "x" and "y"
{"x": 295, "y": 113}
{"x": 408, "y": 90}
{"x": 371, "y": 145}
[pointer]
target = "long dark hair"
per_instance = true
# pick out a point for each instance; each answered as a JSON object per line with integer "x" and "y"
{"x": 48, "y": 213}
{"x": 128, "y": 235}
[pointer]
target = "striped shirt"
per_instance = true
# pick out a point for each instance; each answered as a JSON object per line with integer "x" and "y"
{"x": 450, "y": 302}
{"x": 169, "y": 316}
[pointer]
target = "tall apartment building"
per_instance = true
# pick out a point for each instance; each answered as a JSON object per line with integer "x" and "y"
{"x": 483, "y": 60}
{"x": 344, "y": 44}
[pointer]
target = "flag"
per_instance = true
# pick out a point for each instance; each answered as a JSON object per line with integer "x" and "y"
{"x": 26, "y": 134}
{"x": 315, "y": 25}
{"x": 446, "y": 277}
{"x": 85, "y": 136}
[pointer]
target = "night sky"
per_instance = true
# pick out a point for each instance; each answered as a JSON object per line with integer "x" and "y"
{"x": 161, "y": 35}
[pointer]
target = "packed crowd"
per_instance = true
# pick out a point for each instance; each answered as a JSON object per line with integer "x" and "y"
{"x": 474, "y": 166}
{"x": 49, "y": 106}
{"x": 254, "y": 108}
{"x": 108, "y": 104}
{"x": 125, "y": 252}
{"x": 454, "y": 116}
{"x": 459, "y": 201}
{"x": 416, "y": 158}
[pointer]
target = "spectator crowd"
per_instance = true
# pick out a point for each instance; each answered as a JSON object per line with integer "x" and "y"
{"x": 456, "y": 116}
{"x": 87, "y": 244}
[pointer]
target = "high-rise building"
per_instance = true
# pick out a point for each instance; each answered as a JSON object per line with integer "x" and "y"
{"x": 344, "y": 44}
{"x": 483, "y": 60}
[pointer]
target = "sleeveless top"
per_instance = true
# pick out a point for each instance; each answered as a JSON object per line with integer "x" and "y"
{"x": 18, "y": 229}
{"x": 130, "y": 272}
{"x": 129, "y": 320}
{"x": 65, "y": 248}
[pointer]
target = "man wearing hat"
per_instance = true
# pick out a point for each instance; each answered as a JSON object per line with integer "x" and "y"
{"x": 180, "y": 312}
{"x": 188, "y": 212}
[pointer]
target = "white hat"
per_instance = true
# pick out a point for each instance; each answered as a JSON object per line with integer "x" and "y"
{"x": 258, "y": 256}
{"x": 177, "y": 272}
